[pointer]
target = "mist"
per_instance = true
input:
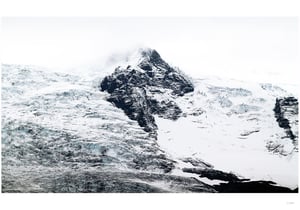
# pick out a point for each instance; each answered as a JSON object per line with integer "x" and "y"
{"x": 256, "y": 49}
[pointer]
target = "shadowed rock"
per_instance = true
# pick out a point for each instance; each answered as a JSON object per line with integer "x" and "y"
{"x": 252, "y": 187}
{"x": 284, "y": 108}
{"x": 212, "y": 174}
{"x": 130, "y": 90}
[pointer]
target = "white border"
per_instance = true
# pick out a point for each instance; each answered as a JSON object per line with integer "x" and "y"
{"x": 150, "y": 8}
{"x": 163, "y": 8}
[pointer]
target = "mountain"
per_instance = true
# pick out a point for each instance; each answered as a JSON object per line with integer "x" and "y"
{"x": 145, "y": 127}
{"x": 135, "y": 89}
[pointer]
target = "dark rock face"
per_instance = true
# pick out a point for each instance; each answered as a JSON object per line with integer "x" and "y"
{"x": 163, "y": 75}
{"x": 284, "y": 109}
{"x": 132, "y": 90}
{"x": 166, "y": 109}
{"x": 252, "y": 187}
{"x": 135, "y": 104}
{"x": 212, "y": 174}
{"x": 237, "y": 185}
{"x": 156, "y": 72}
{"x": 197, "y": 162}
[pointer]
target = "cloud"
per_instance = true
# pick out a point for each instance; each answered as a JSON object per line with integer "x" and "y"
{"x": 231, "y": 47}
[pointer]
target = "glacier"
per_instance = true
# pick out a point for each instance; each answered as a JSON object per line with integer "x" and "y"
{"x": 66, "y": 133}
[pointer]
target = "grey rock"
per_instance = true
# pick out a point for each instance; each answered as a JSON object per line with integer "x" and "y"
{"x": 284, "y": 109}
{"x": 128, "y": 89}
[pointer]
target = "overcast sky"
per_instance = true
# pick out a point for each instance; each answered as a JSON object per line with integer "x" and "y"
{"x": 262, "y": 49}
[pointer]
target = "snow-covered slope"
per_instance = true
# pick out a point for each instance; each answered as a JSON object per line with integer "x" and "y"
{"x": 145, "y": 127}
{"x": 232, "y": 125}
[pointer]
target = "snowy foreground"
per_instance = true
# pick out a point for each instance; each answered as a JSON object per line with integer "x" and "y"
{"x": 234, "y": 132}
{"x": 61, "y": 134}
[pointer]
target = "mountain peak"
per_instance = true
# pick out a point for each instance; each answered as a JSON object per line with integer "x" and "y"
{"x": 142, "y": 58}
{"x": 150, "y": 58}
{"x": 146, "y": 68}
{"x": 149, "y": 54}
{"x": 132, "y": 88}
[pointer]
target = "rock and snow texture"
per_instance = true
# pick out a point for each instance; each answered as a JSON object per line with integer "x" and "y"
{"x": 286, "y": 113}
{"x": 235, "y": 130}
{"x": 138, "y": 89}
{"x": 59, "y": 134}
{"x": 229, "y": 124}
{"x": 145, "y": 127}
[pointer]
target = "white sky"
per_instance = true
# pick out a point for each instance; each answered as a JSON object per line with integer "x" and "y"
{"x": 262, "y": 49}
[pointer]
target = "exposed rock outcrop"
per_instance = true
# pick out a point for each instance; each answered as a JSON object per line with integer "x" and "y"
{"x": 212, "y": 174}
{"x": 252, "y": 187}
{"x": 286, "y": 114}
{"x": 132, "y": 89}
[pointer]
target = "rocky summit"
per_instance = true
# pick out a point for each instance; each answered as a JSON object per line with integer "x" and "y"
{"x": 133, "y": 89}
